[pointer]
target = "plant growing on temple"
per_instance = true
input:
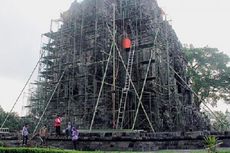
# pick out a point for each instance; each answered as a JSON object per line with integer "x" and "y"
{"x": 209, "y": 74}
{"x": 210, "y": 142}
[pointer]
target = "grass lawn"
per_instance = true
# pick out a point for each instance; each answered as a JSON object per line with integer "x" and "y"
{"x": 44, "y": 150}
{"x": 219, "y": 150}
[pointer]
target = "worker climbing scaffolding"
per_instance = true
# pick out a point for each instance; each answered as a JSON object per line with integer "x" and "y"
{"x": 126, "y": 43}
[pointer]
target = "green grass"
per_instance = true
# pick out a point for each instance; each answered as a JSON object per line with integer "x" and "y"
{"x": 46, "y": 150}
{"x": 37, "y": 150}
{"x": 193, "y": 151}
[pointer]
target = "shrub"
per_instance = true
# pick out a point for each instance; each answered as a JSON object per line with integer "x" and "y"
{"x": 210, "y": 143}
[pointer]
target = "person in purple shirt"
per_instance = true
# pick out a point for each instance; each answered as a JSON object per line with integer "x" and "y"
{"x": 75, "y": 137}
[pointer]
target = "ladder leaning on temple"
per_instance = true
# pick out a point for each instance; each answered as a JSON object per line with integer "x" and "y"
{"x": 125, "y": 90}
{"x": 122, "y": 105}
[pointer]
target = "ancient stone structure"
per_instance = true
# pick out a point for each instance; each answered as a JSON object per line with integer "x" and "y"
{"x": 87, "y": 77}
{"x": 126, "y": 141}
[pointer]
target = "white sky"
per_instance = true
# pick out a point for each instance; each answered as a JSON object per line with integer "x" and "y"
{"x": 200, "y": 22}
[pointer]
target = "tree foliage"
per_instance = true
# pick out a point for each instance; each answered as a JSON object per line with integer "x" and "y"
{"x": 222, "y": 124}
{"x": 209, "y": 73}
{"x": 14, "y": 121}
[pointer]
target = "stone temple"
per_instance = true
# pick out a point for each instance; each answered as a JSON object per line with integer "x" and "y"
{"x": 115, "y": 64}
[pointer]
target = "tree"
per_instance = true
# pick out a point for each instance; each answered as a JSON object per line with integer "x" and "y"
{"x": 222, "y": 124}
{"x": 1, "y": 110}
{"x": 209, "y": 73}
{"x": 15, "y": 122}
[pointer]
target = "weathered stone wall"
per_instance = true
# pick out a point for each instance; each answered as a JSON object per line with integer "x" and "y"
{"x": 143, "y": 141}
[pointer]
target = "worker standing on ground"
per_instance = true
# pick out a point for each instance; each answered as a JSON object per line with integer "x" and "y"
{"x": 57, "y": 124}
{"x": 25, "y": 134}
{"x": 68, "y": 130}
{"x": 75, "y": 134}
{"x": 43, "y": 133}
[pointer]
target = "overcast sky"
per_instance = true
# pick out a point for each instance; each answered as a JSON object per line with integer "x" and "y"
{"x": 200, "y": 22}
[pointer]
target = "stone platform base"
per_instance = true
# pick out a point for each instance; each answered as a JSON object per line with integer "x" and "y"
{"x": 131, "y": 141}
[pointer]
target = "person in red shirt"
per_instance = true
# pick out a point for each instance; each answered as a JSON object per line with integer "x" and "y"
{"x": 57, "y": 125}
{"x": 126, "y": 43}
